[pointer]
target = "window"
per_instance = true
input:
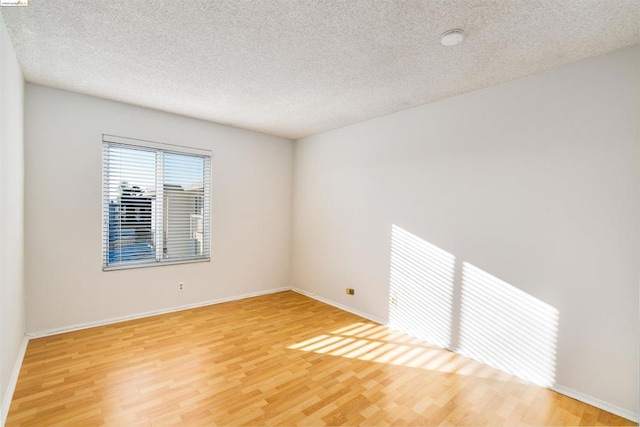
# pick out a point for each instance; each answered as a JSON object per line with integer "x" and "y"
{"x": 155, "y": 203}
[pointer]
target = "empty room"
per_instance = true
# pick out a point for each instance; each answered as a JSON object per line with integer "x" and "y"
{"x": 288, "y": 212}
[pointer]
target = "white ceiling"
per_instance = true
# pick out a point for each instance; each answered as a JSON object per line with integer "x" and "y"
{"x": 294, "y": 68}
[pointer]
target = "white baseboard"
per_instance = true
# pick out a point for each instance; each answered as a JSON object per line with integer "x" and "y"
{"x": 112, "y": 320}
{"x": 624, "y": 413}
{"x": 340, "y": 306}
{"x": 13, "y": 380}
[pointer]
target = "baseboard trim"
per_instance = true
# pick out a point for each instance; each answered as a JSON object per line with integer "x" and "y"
{"x": 340, "y": 306}
{"x": 13, "y": 381}
{"x": 119, "y": 319}
{"x": 624, "y": 413}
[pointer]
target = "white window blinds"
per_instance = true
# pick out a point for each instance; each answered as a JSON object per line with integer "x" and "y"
{"x": 156, "y": 203}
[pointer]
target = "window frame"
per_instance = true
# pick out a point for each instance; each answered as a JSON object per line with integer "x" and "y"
{"x": 151, "y": 146}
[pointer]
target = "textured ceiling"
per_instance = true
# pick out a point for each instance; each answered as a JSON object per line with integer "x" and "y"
{"x": 295, "y": 68}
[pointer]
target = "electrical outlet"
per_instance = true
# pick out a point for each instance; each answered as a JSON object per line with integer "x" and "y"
{"x": 350, "y": 291}
{"x": 180, "y": 287}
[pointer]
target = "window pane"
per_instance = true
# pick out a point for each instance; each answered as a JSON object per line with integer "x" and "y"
{"x": 183, "y": 207}
{"x": 156, "y": 205}
{"x": 130, "y": 192}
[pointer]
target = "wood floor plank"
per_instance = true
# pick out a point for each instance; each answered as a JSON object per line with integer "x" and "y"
{"x": 279, "y": 359}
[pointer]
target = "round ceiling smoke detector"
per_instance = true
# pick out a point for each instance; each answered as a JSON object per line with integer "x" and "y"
{"x": 451, "y": 37}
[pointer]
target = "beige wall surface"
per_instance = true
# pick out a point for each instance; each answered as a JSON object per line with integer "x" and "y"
{"x": 12, "y": 306}
{"x": 502, "y": 223}
{"x": 251, "y": 212}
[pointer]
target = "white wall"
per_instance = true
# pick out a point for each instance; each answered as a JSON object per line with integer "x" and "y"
{"x": 12, "y": 315}
{"x": 531, "y": 186}
{"x": 251, "y": 212}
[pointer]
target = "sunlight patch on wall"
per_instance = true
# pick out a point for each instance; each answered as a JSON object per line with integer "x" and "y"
{"x": 421, "y": 288}
{"x": 507, "y": 328}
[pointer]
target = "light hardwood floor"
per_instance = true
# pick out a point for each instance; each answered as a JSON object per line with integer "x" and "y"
{"x": 279, "y": 359}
